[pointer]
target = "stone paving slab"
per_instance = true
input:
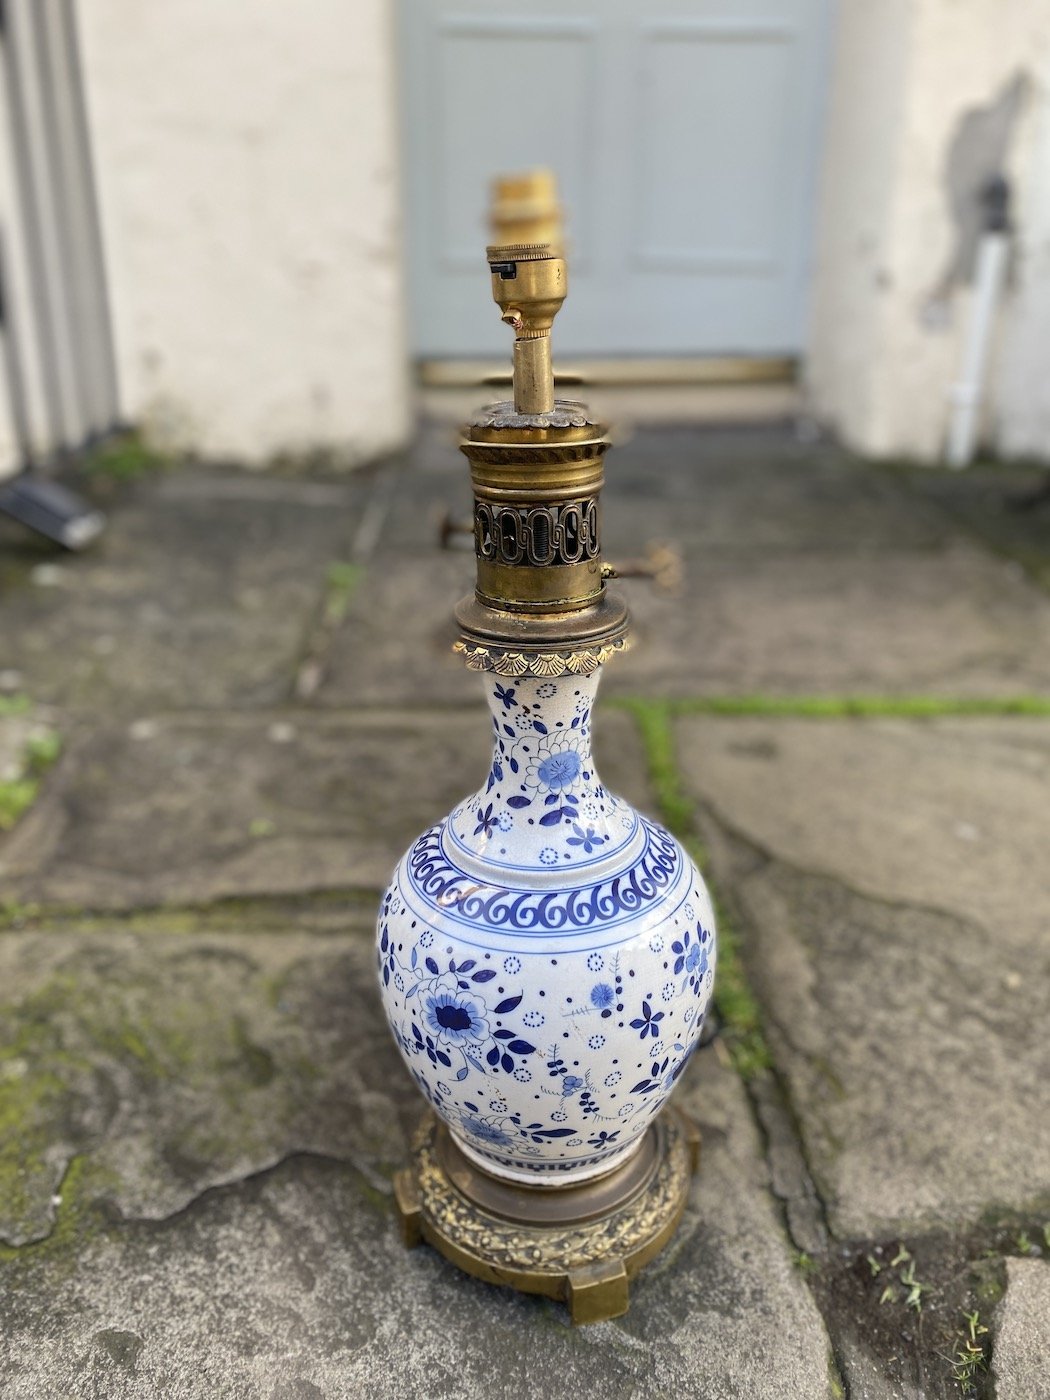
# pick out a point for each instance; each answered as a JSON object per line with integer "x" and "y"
{"x": 954, "y": 621}
{"x": 804, "y": 572}
{"x": 1006, "y": 504}
{"x": 1021, "y": 1359}
{"x": 199, "y": 593}
{"x": 757, "y": 489}
{"x": 891, "y": 878}
{"x": 951, "y": 622}
{"x": 188, "y": 808}
{"x": 262, "y": 1062}
{"x": 395, "y": 647}
{"x": 158, "y": 1064}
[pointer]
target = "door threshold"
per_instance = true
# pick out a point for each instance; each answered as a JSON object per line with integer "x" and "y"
{"x": 687, "y": 371}
{"x": 624, "y": 404}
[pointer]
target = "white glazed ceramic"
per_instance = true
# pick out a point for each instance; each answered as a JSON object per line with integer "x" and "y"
{"x": 546, "y": 954}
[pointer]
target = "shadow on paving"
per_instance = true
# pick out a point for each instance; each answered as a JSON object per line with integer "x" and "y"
{"x": 1005, "y": 505}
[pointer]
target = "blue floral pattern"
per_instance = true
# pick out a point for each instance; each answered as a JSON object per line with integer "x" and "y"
{"x": 648, "y": 1022}
{"x": 455, "y": 1017}
{"x": 545, "y": 955}
{"x": 557, "y": 769}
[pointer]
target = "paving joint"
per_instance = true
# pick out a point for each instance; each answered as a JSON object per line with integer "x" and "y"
{"x": 771, "y": 706}
{"x": 342, "y": 580}
{"x": 211, "y": 916}
{"x": 734, "y": 1001}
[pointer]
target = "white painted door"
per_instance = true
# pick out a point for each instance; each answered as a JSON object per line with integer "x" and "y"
{"x": 684, "y": 134}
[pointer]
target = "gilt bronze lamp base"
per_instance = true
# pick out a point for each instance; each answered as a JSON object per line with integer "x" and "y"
{"x": 580, "y": 1244}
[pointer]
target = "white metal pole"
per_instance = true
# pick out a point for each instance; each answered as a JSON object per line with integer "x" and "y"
{"x": 965, "y": 394}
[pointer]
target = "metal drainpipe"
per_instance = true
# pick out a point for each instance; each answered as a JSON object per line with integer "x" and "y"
{"x": 966, "y": 393}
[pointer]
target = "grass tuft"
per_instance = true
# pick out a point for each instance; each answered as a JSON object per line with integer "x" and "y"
{"x": 970, "y": 1358}
{"x": 17, "y": 794}
{"x": 123, "y": 457}
{"x": 340, "y": 581}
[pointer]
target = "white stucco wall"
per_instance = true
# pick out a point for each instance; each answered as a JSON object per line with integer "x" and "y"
{"x": 865, "y": 113}
{"x": 883, "y": 348}
{"x": 247, "y": 164}
{"x": 1022, "y": 376}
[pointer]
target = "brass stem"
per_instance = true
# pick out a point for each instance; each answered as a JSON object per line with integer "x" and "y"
{"x": 533, "y": 375}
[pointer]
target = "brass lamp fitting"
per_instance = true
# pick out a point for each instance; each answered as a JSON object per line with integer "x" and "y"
{"x": 529, "y": 284}
{"x": 525, "y": 209}
{"x": 541, "y": 606}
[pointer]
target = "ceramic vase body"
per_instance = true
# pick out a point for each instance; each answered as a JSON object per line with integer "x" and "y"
{"x": 546, "y": 954}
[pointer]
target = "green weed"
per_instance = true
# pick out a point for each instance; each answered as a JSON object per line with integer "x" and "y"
{"x": 969, "y": 1358}
{"x": 853, "y": 706}
{"x": 17, "y": 794}
{"x": 340, "y": 581}
{"x": 124, "y": 457}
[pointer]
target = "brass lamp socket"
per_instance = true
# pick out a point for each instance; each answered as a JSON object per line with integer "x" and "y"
{"x": 529, "y": 284}
{"x": 530, "y": 281}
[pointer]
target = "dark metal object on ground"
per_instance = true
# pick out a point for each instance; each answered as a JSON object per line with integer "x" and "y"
{"x": 51, "y": 510}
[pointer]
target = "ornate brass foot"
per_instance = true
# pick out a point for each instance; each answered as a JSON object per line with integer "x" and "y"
{"x": 580, "y": 1244}
{"x": 409, "y": 1211}
{"x": 598, "y": 1291}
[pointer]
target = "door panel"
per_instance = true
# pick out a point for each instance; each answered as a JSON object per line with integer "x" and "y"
{"x": 488, "y": 67}
{"x": 695, "y": 212}
{"x": 684, "y": 137}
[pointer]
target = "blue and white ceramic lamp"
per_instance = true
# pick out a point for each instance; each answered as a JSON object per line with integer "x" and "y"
{"x": 546, "y": 953}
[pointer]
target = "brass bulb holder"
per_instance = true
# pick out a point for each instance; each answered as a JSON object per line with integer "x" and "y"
{"x": 525, "y": 209}
{"x": 541, "y": 605}
{"x": 529, "y": 285}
